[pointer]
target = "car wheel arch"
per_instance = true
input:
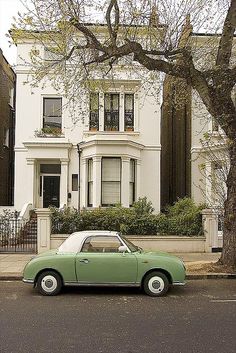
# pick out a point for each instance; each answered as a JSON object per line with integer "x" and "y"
{"x": 165, "y": 272}
{"x": 45, "y": 270}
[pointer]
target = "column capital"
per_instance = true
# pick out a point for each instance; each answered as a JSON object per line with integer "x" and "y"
{"x": 30, "y": 161}
{"x": 125, "y": 159}
{"x": 97, "y": 159}
{"x": 64, "y": 161}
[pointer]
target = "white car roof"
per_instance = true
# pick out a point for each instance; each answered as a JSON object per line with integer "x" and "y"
{"x": 74, "y": 242}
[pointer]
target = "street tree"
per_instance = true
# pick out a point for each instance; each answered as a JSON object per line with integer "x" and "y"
{"x": 157, "y": 38}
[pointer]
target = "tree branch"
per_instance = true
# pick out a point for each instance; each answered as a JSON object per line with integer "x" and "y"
{"x": 113, "y": 32}
{"x": 226, "y": 40}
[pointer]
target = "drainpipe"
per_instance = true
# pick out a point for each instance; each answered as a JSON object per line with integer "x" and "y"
{"x": 79, "y": 150}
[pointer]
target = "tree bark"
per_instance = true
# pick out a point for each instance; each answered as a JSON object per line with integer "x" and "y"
{"x": 228, "y": 257}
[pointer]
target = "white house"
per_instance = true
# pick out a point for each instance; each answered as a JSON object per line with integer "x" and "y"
{"x": 110, "y": 156}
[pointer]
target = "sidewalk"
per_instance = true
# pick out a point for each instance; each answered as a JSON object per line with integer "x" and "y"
{"x": 12, "y": 265}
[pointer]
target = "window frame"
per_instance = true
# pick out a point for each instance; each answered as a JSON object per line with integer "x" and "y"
{"x": 96, "y": 126}
{"x": 117, "y": 127}
{"x": 102, "y": 160}
{"x": 126, "y": 127}
{"x": 44, "y": 98}
{"x": 90, "y": 160}
{"x": 133, "y": 182}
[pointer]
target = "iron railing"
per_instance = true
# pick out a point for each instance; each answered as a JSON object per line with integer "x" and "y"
{"x": 17, "y": 235}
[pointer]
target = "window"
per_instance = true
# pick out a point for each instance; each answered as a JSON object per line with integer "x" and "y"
{"x": 90, "y": 182}
{"x": 129, "y": 112}
{"x": 94, "y": 112}
{"x": 11, "y": 94}
{"x": 5, "y": 137}
{"x": 101, "y": 244}
{"x": 111, "y": 181}
{"x": 74, "y": 182}
{"x": 111, "y": 112}
{"x": 50, "y": 168}
{"x": 52, "y": 113}
{"x": 132, "y": 182}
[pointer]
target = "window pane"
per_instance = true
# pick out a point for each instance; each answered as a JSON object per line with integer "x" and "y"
{"x": 74, "y": 182}
{"x": 131, "y": 170}
{"x": 50, "y": 168}
{"x": 110, "y": 193}
{"x": 90, "y": 170}
{"x": 111, "y": 112}
{"x": 101, "y": 244}
{"x": 94, "y": 111}
{"x": 90, "y": 193}
{"x": 131, "y": 193}
{"x": 52, "y": 107}
{"x": 129, "y": 111}
{"x": 111, "y": 169}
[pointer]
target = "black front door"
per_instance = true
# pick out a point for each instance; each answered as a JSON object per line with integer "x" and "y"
{"x": 51, "y": 191}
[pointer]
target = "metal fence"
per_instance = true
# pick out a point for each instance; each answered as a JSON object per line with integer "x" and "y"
{"x": 17, "y": 235}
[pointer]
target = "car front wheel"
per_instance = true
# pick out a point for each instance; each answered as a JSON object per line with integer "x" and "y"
{"x": 156, "y": 284}
{"x": 49, "y": 283}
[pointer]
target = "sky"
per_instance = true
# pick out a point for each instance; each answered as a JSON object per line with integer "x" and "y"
{"x": 8, "y": 9}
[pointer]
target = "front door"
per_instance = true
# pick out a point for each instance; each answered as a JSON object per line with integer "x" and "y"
{"x": 100, "y": 262}
{"x": 51, "y": 191}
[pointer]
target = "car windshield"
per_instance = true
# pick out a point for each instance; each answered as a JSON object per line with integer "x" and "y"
{"x": 130, "y": 245}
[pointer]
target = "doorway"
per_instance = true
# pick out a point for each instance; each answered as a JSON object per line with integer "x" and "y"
{"x": 50, "y": 190}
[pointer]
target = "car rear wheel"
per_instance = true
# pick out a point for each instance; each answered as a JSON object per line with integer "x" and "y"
{"x": 49, "y": 283}
{"x": 156, "y": 284}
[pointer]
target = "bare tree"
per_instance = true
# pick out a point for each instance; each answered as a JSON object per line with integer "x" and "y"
{"x": 133, "y": 28}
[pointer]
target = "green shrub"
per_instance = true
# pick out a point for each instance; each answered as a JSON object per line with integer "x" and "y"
{"x": 183, "y": 218}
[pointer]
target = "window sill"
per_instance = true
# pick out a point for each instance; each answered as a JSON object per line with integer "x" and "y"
{"x": 89, "y": 132}
{"x": 50, "y": 136}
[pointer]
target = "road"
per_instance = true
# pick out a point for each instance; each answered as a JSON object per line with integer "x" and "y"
{"x": 197, "y": 318}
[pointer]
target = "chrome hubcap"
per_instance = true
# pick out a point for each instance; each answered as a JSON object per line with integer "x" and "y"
{"x": 156, "y": 284}
{"x": 49, "y": 283}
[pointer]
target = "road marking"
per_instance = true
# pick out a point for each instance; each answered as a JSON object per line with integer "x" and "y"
{"x": 223, "y": 300}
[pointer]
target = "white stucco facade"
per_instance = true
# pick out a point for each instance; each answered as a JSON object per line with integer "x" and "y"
{"x": 68, "y": 154}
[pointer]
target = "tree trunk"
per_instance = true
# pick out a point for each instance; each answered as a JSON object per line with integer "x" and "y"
{"x": 228, "y": 257}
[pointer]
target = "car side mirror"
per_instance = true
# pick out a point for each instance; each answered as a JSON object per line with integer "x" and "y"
{"x": 123, "y": 248}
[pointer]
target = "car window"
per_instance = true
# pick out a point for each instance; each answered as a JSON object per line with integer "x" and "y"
{"x": 101, "y": 244}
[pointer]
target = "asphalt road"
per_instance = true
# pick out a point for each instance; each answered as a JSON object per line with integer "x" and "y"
{"x": 200, "y": 317}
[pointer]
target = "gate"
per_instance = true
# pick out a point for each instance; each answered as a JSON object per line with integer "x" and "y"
{"x": 17, "y": 235}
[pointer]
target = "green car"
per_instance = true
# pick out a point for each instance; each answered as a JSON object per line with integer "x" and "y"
{"x": 102, "y": 258}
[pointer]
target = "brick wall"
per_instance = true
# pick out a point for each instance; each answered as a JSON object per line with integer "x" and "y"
{"x": 7, "y": 117}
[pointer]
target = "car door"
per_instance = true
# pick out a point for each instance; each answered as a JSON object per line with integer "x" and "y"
{"x": 100, "y": 262}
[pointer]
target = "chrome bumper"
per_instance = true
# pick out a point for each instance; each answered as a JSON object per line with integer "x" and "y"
{"x": 30, "y": 281}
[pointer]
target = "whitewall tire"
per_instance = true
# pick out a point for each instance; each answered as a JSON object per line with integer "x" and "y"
{"x": 156, "y": 284}
{"x": 49, "y": 283}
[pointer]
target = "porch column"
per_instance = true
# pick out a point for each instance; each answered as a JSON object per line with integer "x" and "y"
{"x": 125, "y": 181}
{"x": 64, "y": 182}
{"x": 43, "y": 229}
{"x": 97, "y": 181}
{"x": 31, "y": 187}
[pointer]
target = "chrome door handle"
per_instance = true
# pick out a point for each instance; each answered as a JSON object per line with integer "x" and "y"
{"x": 85, "y": 261}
